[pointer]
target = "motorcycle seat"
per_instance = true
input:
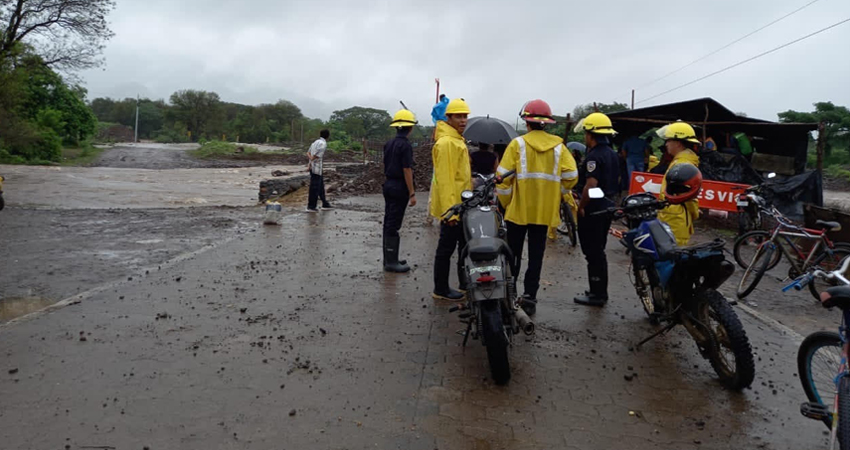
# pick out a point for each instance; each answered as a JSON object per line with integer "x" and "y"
{"x": 828, "y": 226}
{"x": 486, "y": 249}
{"x": 836, "y": 296}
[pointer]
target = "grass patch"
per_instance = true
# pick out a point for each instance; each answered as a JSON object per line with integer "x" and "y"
{"x": 83, "y": 155}
{"x": 219, "y": 149}
{"x": 838, "y": 171}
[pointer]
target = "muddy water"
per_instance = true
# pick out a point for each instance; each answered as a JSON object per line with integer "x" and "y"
{"x": 14, "y": 307}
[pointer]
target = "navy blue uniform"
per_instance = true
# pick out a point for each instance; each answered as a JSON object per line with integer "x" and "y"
{"x": 602, "y": 164}
{"x": 398, "y": 155}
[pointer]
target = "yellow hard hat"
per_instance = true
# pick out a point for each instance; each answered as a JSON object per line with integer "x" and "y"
{"x": 457, "y": 106}
{"x": 596, "y": 123}
{"x": 680, "y": 131}
{"x": 404, "y": 118}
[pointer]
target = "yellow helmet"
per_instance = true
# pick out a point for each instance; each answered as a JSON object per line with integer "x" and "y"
{"x": 596, "y": 123}
{"x": 404, "y": 118}
{"x": 680, "y": 131}
{"x": 457, "y": 106}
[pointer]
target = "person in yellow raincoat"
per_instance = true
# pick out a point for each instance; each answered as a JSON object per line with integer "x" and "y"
{"x": 681, "y": 141}
{"x": 452, "y": 175}
{"x": 545, "y": 171}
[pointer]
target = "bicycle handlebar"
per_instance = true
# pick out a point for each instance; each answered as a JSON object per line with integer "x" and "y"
{"x": 817, "y": 272}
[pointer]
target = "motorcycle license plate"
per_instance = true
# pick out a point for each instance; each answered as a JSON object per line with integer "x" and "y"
{"x": 743, "y": 203}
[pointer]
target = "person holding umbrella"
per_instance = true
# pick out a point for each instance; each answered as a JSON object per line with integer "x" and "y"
{"x": 545, "y": 170}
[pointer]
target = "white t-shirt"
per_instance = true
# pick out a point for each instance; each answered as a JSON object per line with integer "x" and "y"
{"x": 317, "y": 149}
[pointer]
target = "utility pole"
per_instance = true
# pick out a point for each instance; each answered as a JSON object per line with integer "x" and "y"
{"x": 633, "y": 99}
{"x": 136, "y": 138}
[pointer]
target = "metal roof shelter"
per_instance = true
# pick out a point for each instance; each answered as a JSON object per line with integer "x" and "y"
{"x": 789, "y": 141}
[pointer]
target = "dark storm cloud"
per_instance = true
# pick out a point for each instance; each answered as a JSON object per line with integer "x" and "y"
{"x": 325, "y": 55}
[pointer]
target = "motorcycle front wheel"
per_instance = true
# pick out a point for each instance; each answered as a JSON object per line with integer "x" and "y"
{"x": 495, "y": 339}
{"x": 730, "y": 353}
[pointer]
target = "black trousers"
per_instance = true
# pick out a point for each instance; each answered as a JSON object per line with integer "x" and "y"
{"x": 593, "y": 236}
{"x": 396, "y": 198}
{"x": 317, "y": 191}
{"x": 451, "y": 238}
{"x": 536, "y": 248}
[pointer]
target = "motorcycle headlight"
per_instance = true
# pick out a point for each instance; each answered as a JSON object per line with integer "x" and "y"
{"x": 466, "y": 195}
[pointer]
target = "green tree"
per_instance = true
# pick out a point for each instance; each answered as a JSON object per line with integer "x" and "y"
{"x": 360, "y": 122}
{"x": 67, "y": 34}
{"x": 202, "y": 112}
{"x": 582, "y": 111}
{"x": 836, "y": 121}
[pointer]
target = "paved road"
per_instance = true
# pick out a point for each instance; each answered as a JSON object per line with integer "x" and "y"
{"x": 292, "y": 337}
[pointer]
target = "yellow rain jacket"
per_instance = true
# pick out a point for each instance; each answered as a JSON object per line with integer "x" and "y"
{"x": 545, "y": 171}
{"x": 681, "y": 217}
{"x": 653, "y": 161}
{"x": 452, "y": 170}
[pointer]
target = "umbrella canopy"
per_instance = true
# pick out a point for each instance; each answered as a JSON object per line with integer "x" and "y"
{"x": 489, "y": 130}
{"x": 577, "y": 146}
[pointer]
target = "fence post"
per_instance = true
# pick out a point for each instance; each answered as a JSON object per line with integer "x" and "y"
{"x": 820, "y": 144}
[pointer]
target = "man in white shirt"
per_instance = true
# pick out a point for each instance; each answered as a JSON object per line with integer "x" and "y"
{"x": 316, "y": 154}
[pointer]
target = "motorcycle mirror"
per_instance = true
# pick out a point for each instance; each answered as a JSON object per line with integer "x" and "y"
{"x": 466, "y": 195}
{"x": 771, "y": 175}
{"x": 596, "y": 193}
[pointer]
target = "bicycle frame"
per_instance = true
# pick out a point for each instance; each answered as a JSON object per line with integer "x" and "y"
{"x": 786, "y": 230}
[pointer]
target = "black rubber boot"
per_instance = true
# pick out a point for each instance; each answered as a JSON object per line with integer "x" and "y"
{"x": 528, "y": 304}
{"x": 598, "y": 294}
{"x": 391, "y": 263}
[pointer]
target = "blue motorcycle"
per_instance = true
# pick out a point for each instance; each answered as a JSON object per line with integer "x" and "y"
{"x": 678, "y": 286}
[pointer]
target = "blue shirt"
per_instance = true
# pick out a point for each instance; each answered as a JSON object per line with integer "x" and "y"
{"x": 635, "y": 148}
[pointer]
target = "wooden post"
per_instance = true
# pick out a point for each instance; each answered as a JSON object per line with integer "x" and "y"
{"x": 820, "y": 145}
{"x": 633, "y": 99}
{"x": 567, "y": 126}
{"x": 705, "y": 125}
{"x": 438, "y": 90}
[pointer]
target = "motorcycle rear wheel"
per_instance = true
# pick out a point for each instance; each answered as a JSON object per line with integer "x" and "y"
{"x": 730, "y": 353}
{"x": 495, "y": 340}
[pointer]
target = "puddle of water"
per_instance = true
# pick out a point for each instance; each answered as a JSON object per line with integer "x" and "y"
{"x": 14, "y": 307}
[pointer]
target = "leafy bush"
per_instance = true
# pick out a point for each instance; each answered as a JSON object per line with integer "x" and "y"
{"x": 837, "y": 171}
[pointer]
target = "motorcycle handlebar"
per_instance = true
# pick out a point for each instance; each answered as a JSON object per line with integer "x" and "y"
{"x": 458, "y": 208}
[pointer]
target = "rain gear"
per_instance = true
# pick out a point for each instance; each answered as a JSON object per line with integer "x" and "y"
{"x": 452, "y": 169}
{"x": 681, "y": 217}
{"x": 438, "y": 112}
{"x": 545, "y": 173}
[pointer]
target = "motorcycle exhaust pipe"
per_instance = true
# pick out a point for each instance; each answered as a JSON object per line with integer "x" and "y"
{"x": 524, "y": 322}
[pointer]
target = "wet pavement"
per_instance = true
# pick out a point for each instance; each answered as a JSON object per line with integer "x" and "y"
{"x": 292, "y": 337}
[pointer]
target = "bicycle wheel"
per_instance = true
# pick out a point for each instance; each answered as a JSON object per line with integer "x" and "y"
{"x": 755, "y": 271}
{"x": 746, "y": 246}
{"x": 844, "y": 413}
{"x": 828, "y": 264}
{"x": 568, "y": 224}
{"x": 818, "y": 361}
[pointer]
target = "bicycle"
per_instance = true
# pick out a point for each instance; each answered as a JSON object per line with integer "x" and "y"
{"x": 822, "y": 358}
{"x": 568, "y": 225}
{"x": 823, "y": 253}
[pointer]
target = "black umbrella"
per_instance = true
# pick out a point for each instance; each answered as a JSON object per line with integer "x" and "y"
{"x": 489, "y": 130}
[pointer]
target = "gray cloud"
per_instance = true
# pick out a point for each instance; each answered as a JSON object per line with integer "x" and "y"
{"x": 325, "y": 55}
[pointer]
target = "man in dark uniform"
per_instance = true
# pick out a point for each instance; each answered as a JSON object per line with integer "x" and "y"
{"x": 398, "y": 189}
{"x": 602, "y": 170}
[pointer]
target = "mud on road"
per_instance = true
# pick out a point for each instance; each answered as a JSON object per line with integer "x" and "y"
{"x": 294, "y": 335}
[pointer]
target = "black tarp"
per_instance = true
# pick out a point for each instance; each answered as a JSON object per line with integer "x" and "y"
{"x": 789, "y": 194}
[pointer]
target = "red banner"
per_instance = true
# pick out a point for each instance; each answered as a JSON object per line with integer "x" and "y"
{"x": 717, "y": 195}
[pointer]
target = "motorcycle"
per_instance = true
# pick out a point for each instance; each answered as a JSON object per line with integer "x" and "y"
{"x": 678, "y": 286}
{"x": 750, "y": 204}
{"x": 490, "y": 311}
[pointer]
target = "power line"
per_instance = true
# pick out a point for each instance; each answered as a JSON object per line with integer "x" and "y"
{"x": 746, "y": 60}
{"x": 728, "y": 45}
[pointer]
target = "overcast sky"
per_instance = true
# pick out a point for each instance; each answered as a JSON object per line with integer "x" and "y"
{"x": 326, "y": 55}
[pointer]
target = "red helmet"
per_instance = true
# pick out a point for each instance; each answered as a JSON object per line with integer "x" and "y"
{"x": 684, "y": 182}
{"x": 537, "y": 111}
